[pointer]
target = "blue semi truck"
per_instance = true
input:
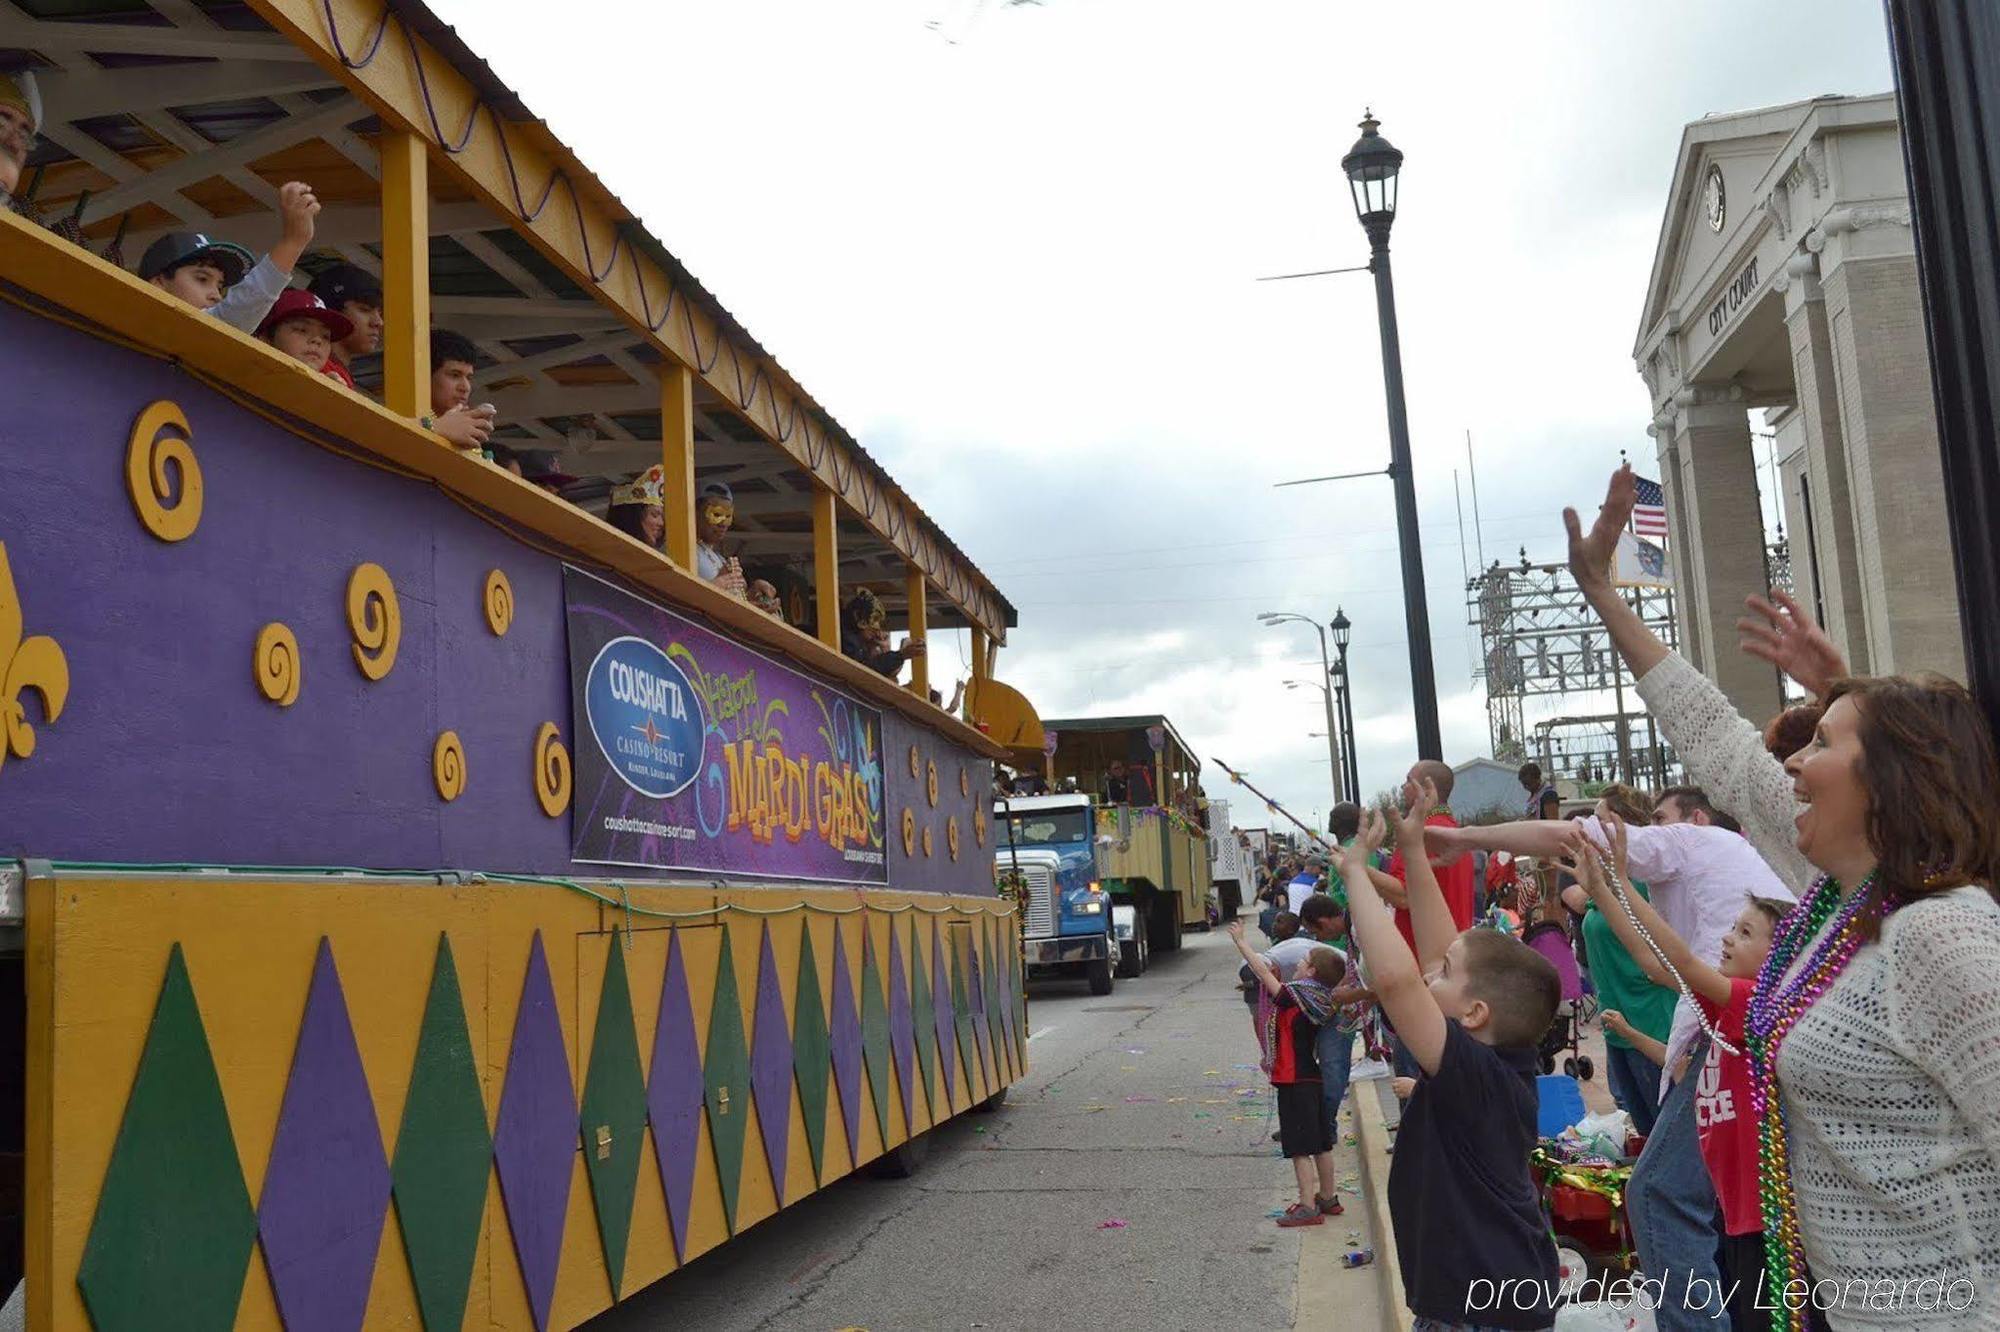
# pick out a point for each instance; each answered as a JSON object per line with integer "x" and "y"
{"x": 1069, "y": 924}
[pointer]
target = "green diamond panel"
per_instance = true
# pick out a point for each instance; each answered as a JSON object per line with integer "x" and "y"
{"x": 990, "y": 973}
{"x": 961, "y": 1014}
{"x": 444, "y": 1154}
{"x": 812, "y": 1053}
{"x": 171, "y": 1240}
{"x": 875, "y": 1032}
{"x": 614, "y": 1113}
{"x": 920, "y": 1001}
{"x": 725, "y": 1072}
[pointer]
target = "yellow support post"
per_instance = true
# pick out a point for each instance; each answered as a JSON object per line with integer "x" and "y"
{"x": 826, "y": 565}
{"x": 979, "y": 675}
{"x": 406, "y": 274}
{"x": 920, "y": 665}
{"x": 677, "y": 450}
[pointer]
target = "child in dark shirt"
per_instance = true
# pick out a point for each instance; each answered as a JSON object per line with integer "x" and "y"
{"x": 1470, "y": 1237}
{"x": 1305, "y": 1130}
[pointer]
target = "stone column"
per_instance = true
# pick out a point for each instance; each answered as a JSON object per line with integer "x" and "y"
{"x": 1874, "y": 315}
{"x": 1690, "y": 637}
{"x": 1827, "y": 542}
{"x": 1720, "y": 529}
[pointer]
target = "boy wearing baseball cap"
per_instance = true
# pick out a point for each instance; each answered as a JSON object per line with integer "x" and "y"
{"x": 351, "y": 290}
{"x": 301, "y": 327}
{"x": 220, "y": 278}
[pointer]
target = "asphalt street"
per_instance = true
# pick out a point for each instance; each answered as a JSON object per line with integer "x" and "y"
{"x": 1129, "y": 1181}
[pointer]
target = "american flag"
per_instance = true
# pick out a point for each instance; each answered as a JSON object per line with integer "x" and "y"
{"x": 1649, "y": 514}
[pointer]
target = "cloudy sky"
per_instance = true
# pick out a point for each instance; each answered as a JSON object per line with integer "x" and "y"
{"x": 1012, "y": 247}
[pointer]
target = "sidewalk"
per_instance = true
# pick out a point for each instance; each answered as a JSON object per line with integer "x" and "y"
{"x": 1354, "y": 1299}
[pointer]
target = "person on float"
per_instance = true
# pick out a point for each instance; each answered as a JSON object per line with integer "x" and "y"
{"x": 714, "y": 515}
{"x": 764, "y": 597}
{"x": 223, "y": 279}
{"x": 353, "y": 291}
{"x": 20, "y": 126}
{"x": 637, "y": 508}
{"x": 864, "y": 638}
{"x": 1874, "y": 1030}
{"x": 302, "y": 328}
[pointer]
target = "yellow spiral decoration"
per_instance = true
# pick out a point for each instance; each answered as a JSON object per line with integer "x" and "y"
{"x": 147, "y": 459}
{"x": 909, "y": 831}
{"x": 916, "y": 763}
{"x": 375, "y": 619}
{"x": 278, "y": 667}
{"x": 979, "y": 826}
{"x": 964, "y": 783}
{"x": 448, "y": 765}
{"x": 499, "y": 603}
{"x": 552, "y": 772}
{"x": 932, "y": 784}
{"x": 927, "y": 839}
{"x": 951, "y": 840}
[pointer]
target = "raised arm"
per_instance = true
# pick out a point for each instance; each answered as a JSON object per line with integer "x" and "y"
{"x": 1588, "y": 870}
{"x": 1258, "y": 966}
{"x": 1541, "y": 839}
{"x": 1723, "y": 753}
{"x": 1392, "y": 969}
{"x": 1431, "y": 923}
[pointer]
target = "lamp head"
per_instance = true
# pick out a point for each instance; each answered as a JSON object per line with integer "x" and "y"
{"x": 1343, "y": 628}
{"x": 1372, "y": 166}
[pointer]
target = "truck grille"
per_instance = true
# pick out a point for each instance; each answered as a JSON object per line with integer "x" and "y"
{"x": 1041, "y": 903}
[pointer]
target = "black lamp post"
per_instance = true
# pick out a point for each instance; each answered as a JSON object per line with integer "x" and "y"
{"x": 1372, "y": 167}
{"x": 1343, "y": 630}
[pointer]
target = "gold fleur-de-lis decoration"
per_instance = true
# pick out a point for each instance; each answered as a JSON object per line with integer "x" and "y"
{"x": 34, "y": 663}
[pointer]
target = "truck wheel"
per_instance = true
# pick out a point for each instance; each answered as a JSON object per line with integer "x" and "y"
{"x": 1130, "y": 960}
{"x": 991, "y": 1103}
{"x": 1098, "y": 973}
{"x": 902, "y": 1160}
{"x": 1145, "y": 951}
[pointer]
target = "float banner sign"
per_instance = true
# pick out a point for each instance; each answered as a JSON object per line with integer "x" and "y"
{"x": 692, "y": 752}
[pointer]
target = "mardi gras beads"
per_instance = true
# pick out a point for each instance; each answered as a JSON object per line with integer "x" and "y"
{"x": 1775, "y": 1007}
{"x": 1624, "y": 900}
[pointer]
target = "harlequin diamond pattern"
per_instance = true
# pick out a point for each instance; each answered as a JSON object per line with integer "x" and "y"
{"x": 534, "y": 1140}
{"x": 771, "y": 1067}
{"x": 726, "y": 1077}
{"x": 811, "y": 1052}
{"x": 875, "y": 1042}
{"x": 171, "y": 1240}
{"x": 326, "y": 1188}
{"x": 902, "y": 1030}
{"x": 847, "y": 1042}
{"x": 444, "y": 1154}
{"x": 614, "y": 1113}
{"x": 673, "y": 1097}
{"x": 976, "y": 984}
{"x": 957, "y": 945}
{"x": 923, "y": 1017}
{"x": 941, "y": 1018}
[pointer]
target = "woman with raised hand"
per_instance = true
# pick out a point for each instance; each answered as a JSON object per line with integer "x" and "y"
{"x": 1874, "y": 1027}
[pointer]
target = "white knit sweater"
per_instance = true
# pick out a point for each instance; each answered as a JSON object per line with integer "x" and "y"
{"x": 1891, "y": 1082}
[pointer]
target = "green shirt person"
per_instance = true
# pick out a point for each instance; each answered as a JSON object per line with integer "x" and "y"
{"x": 1647, "y": 1010}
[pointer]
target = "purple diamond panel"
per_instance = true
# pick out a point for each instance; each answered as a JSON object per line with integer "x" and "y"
{"x": 902, "y": 1028}
{"x": 982, "y": 1037}
{"x": 847, "y": 1073}
{"x": 534, "y": 1141}
{"x": 326, "y": 1189}
{"x": 947, "y": 1038}
{"x": 673, "y": 1097}
{"x": 771, "y": 1067}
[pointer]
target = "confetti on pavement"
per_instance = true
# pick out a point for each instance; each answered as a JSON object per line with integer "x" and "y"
{"x": 1114, "y": 1223}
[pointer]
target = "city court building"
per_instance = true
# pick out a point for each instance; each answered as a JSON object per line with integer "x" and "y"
{"x": 1786, "y": 279}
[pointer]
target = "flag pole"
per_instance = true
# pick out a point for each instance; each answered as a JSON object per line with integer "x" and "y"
{"x": 1276, "y": 808}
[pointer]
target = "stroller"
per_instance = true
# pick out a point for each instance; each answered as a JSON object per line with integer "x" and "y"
{"x": 1551, "y": 940}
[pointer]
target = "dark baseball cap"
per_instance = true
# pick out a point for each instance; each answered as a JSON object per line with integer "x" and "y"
{"x": 177, "y": 249}
{"x": 338, "y": 284}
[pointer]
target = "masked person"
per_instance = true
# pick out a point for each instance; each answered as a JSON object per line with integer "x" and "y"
{"x": 765, "y": 598}
{"x": 864, "y": 636}
{"x": 714, "y": 515}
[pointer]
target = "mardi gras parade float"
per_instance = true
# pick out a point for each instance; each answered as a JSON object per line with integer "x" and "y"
{"x": 428, "y": 903}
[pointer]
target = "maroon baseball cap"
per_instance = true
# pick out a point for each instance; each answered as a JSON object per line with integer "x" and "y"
{"x": 298, "y": 303}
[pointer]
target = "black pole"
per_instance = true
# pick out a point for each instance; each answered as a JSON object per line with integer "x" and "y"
{"x": 1416, "y": 614}
{"x": 1947, "y": 57}
{"x": 1347, "y": 732}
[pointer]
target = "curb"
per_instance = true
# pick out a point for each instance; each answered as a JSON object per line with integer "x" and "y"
{"x": 1371, "y": 1144}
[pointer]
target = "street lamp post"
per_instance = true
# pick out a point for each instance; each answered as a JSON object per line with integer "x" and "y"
{"x": 1343, "y": 630}
{"x": 1372, "y": 166}
{"x": 1326, "y": 670}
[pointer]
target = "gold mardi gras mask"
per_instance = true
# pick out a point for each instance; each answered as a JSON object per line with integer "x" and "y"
{"x": 717, "y": 513}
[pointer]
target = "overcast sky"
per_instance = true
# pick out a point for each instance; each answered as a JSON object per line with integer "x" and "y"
{"x": 1012, "y": 247}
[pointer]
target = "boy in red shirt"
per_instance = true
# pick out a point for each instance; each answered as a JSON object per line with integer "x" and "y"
{"x": 1724, "y": 1124}
{"x": 1305, "y": 1129}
